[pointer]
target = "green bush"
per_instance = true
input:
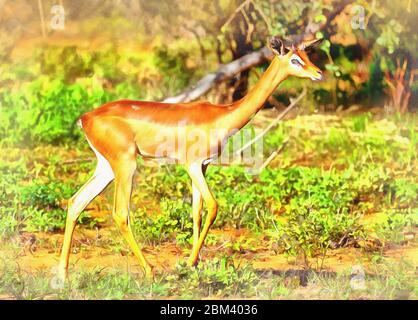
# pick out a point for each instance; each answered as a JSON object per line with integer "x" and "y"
{"x": 45, "y": 194}
{"x": 173, "y": 68}
{"x": 218, "y": 277}
{"x": 397, "y": 224}
{"x": 321, "y": 208}
{"x": 174, "y": 222}
{"x": 405, "y": 192}
{"x": 311, "y": 230}
{"x": 45, "y": 111}
{"x": 10, "y": 214}
{"x": 42, "y": 205}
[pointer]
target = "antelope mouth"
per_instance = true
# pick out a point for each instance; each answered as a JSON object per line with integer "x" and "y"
{"x": 318, "y": 77}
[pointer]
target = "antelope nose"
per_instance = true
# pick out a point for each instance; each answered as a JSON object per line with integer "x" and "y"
{"x": 320, "y": 75}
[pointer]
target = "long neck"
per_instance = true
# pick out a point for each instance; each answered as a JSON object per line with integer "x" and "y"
{"x": 243, "y": 110}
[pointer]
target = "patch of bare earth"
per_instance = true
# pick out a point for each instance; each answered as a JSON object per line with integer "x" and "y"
{"x": 94, "y": 249}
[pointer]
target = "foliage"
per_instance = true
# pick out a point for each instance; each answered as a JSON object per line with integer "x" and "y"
{"x": 173, "y": 67}
{"x": 44, "y": 109}
{"x": 405, "y": 192}
{"x": 33, "y": 204}
{"x": 173, "y": 222}
{"x": 397, "y": 225}
{"x": 309, "y": 232}
{"x": 10, "y": 217}
{"x": 218, "y": 277}
{"x": 31, "y": 115}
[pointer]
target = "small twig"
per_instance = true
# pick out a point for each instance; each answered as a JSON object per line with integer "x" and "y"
{"x": 263, "y": 16}
{"x": 273, "y": 155}
{"x": 41, "y": 14}
{"x": 238, "y": 9}
{"x": 71, "y": 161}
{"x": 274, "y": 122}
{"x": 219, "y": 247}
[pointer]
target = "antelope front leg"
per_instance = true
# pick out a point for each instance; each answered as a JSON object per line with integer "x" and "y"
{"x": 197, "y": 203}
{"x": 198, "y": 179}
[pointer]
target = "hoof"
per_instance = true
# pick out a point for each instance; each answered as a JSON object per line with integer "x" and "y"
{"x": 58, "y": 280}
{"x": 149, "y": 272}
{"x": 192, "y": 262}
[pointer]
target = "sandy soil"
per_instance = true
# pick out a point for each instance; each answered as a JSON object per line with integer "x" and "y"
{"x": 92, "y": 249}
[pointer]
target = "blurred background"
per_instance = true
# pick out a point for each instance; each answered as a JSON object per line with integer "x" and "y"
{"x": 59, "y": 59}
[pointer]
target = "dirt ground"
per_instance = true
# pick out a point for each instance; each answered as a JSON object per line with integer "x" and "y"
{"x": 40, "y": 252}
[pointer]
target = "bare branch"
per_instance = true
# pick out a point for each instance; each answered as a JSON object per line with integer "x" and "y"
{"x": 238, "y": 9}
{"x": 225, "y": 72}
{"x": 274, "y": 122}
{"x": 273, "y": 155}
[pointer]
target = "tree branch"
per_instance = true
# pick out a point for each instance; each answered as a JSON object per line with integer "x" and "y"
{"x": 229, "y": 70}
{"x": 273, "y": 123}
{"x": 225, "y": 72}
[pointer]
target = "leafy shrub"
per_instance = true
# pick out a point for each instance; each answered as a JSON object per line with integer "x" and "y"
{"x": 241, "y": 200}
{"x": 405, "y": 192}
{"x": 41, "y": 220}
{"x": 169, "y": 182}
{"x": 45, "y": 111}
{"x": 320, "y": 209}
{"x": 42, "y": 209}
{"x": 42, "y": 206}
{"x": 174, "y": 222}
{"x": 174, "y": 69}
{"x": 46, "y": 195}
{"x": 10, "y": 216}
{"x": 397, "y": 224}
{"x": 66, "y": 62}
{"x": 219, "y": 277}
{"x": 243, "y": 208}
{"x": 9, "y": 221}
{"x": 310, "y": 230}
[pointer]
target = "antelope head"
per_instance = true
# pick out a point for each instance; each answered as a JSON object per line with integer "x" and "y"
{"x": 294, "y": 54}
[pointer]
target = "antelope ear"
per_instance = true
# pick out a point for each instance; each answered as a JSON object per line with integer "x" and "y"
{"x": 312, "y": 43}
{"x": 277, "y": 46}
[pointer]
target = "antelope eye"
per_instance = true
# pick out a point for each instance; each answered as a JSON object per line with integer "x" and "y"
{"x": 296, "y": 62}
